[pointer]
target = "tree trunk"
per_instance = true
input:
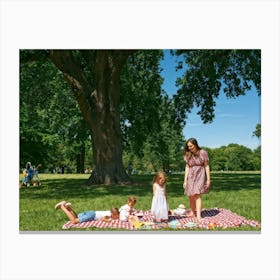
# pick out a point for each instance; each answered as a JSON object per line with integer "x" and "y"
{"x": 99, "y": 105}
{"x": 107, "y": 154}
{"x": 107, "y": 142}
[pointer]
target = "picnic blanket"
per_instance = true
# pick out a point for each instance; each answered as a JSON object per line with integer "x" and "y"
{"x": 211, "y": 218}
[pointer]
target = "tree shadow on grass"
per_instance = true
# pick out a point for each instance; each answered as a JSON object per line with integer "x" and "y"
{"x": 77, "y": 188}
{"x": 142, "y": 186}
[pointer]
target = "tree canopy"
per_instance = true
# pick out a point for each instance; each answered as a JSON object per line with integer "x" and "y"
{"x": 257, "y": 131}
{"x": 210, "y": 72}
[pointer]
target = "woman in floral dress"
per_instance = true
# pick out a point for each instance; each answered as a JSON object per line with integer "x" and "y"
{"x": 197, "y": 175}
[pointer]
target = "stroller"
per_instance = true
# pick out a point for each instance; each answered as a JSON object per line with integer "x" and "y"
{"x": 31, "y": 175}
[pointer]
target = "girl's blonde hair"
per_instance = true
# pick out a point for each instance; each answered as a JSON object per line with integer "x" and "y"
{"x": 157, "y": 175}
{"x": 131, "y": 199}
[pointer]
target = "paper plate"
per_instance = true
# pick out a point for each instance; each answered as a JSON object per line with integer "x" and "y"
{"x": 191, "y": 224}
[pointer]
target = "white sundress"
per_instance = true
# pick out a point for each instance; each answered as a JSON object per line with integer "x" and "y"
{"x": 160, "y": 206}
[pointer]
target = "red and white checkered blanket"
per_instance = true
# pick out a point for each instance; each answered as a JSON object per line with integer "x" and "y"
{"x": 211, "y": 218}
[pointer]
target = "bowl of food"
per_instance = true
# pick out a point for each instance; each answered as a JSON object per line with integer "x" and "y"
{"x": 139, "y": 214}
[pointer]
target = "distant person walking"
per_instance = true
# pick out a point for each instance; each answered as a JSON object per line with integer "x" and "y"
{"x": 197, "y": 175}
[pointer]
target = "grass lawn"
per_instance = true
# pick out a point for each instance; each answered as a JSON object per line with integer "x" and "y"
{"x": 239, "y": 192}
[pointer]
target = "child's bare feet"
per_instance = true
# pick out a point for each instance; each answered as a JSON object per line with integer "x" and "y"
{"x": 59, "y": 204}
{"x": 68, "y": 205}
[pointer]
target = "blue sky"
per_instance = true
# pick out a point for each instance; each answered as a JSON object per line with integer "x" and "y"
{"x": 235, "y": 119}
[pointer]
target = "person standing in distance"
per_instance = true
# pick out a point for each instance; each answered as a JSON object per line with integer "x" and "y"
{"x": 197, "y": 175}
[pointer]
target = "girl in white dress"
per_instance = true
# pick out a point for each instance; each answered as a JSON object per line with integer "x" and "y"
{"x": 160, "y": 206}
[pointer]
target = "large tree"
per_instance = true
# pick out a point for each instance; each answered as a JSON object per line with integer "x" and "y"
{"x": 95, "y": 80}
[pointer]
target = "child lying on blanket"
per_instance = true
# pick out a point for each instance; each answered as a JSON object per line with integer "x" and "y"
{"x": 127, "y": 209}
{"x": 87, "y": 216}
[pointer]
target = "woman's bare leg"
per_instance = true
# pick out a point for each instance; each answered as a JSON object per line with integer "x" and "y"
{"x": 192, "y": 206}
{"x": 198, "y": 204}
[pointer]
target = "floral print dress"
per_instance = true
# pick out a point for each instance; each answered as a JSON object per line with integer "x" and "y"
{"x": 196, "y": 183}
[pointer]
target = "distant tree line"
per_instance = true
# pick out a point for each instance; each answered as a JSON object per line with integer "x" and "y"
{"x": 233, "y": 157}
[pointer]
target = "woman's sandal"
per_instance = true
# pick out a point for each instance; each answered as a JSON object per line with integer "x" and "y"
{"x": 191, "y": 214}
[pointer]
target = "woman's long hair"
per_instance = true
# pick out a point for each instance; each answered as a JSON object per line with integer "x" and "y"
{"x": 187, "y": 152}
